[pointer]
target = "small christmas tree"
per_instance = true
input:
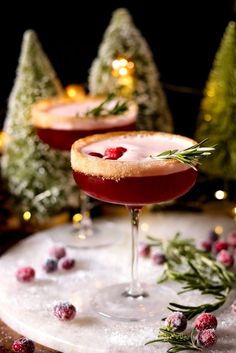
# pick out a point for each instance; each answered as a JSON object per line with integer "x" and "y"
{"x": 123, "y": 40}
{"x": 217, "y": 119}
{"x": 38, "y": 177}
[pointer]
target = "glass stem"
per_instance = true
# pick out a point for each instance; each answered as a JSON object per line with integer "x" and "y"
{"x": 85, "y": 225}
{"x": 135, "y": 289}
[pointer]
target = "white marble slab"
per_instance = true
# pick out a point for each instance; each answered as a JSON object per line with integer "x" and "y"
{"x": 27, "y": 308}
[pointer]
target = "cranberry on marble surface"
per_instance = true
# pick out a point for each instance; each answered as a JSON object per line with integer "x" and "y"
{"x": 64, "y": 311}
{"x": 25, "y": 274}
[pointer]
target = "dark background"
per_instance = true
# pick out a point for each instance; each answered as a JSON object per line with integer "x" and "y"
{"x": 183, "y": 36}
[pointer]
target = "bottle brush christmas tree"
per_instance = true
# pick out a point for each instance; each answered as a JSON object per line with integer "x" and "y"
{"x": 38, "y": 177}
{"x": 125, "y": 66}
{"x": 217, "y": 118}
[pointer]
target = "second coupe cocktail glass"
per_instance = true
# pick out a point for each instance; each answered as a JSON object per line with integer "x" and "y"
{"x": 61, "y": 121}
{"x": 121, "y": 168}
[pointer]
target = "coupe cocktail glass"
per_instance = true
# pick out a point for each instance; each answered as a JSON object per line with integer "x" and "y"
{"x": 134, "y": 179}
{"x": 61, "y": 121}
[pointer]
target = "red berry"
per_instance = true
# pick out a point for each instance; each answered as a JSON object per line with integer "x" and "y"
{"x": 221, "y": 245}
{"x": 206, "y": 338}
{"x": 205, "y": 321}
{"x": 23, "y": 345}
{"x": 231, "y": 239}
{"x": 57, "y": 251}
{"x": 225, "y": 258}
{"x": 206, "y": 245}
{"x": 64, "y": 311}
{"x": 96, "y": 154}
{"x": 114, "y": 152}
{"x": 50, "y": 265}
{"x": 176, "y": 321}
{"x": 25, "y": 274}
{"x": 144, "y": 249}
{"x": 158, "y": 258}
{"x": 66, "y": 263}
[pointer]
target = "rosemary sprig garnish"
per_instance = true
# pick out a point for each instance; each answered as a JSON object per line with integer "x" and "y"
{"x": 191, "y": 155}
{"x": 102, "y": 109}
{"x": 196, "y": 270}
{"x": 178, "y": 341}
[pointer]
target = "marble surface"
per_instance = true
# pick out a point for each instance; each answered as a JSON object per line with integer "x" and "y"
{"x": 27, "y": 307}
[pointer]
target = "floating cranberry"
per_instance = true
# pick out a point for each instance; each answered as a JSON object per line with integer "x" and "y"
{"x": 25, "y": 274}
{"x": 205, "y": 321}
{"x": 114, "y": 152}
{"x": 23, "y": 345}
{"x": 95, "y": 154}
{"x": 64, "y": 311}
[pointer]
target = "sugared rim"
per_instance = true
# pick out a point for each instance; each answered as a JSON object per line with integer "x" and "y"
{"x": 117, "y": 169}
{"x": 42, "y": 117}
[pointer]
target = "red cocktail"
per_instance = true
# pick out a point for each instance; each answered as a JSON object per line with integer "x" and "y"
{"x": 61, "y": 121}
{"x": 121, "y": 168}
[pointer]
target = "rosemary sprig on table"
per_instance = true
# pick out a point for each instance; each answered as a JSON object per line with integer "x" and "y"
{"x": 102, "y": 109}
{"x": 196, "y": 270}
{"x": 179, "y": 341}
{"x": 191, "y": 155}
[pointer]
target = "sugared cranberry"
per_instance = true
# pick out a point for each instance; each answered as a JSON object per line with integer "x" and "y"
{"x": 50, "y": 265}
{"x": 66, "y": 263}
{"x": 57, "y": 252}
{"x": 220, "y": 245}
{"x": 225, "y": 258}
{"x": 206, "y": 338}
{"x": 233, "y": 307}
{"x": 205, "y": 321}
{"x": 213, "y": 236}
{"x": 144, "y": 249}
{"x": 23, "y": 345}
{"x": 25, "y": 274}
{"x": 158, "y": 258}
{"x": 231, "y": 239}
{"x": 96, "y": 154}
{"x": 176, "y": 321}
{"x": 114, "y": 152}
{"x": 64, "y": 311}
{"x": 206, "y": 245}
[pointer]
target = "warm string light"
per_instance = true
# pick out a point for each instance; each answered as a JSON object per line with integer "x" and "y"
{"x": 26, "y": 216}
{"x": 220, "y": 195}
{"x": 123, "y": 71}
{"x": 75, "y": 91}
{"x": 3, "y": 140}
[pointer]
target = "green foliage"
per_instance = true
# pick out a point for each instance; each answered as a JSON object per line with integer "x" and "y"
{"x": 122, "y": 38}
{"x": 217, "y": 119}
{"x": 38, "y": 177}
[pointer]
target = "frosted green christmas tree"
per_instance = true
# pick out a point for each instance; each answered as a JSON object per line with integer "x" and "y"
{"x": 38, "y": 177}
{"x": 217, "y": 119}
{"x": 123, "y": 39}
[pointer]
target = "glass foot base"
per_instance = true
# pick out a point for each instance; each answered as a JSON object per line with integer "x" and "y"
{"x": 114, "y": 303}
{"x": 103, "y": 233}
